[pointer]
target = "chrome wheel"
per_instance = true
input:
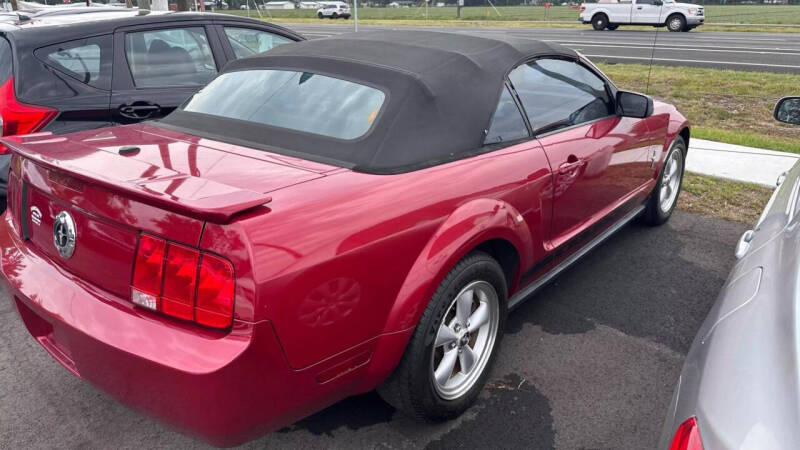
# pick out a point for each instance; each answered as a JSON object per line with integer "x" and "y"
{"x": 671, "y": 180}
{"x": 465, "y": 340}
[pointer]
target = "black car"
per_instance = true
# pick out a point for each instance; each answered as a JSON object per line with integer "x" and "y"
{"x": 73, "y": 72}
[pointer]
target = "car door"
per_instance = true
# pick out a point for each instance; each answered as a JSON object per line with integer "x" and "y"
{"x": 157, "y": 68}
{"x": 645, "y": 11}
{"x": 241, "y": 41}
{"x": 598, "y": 157}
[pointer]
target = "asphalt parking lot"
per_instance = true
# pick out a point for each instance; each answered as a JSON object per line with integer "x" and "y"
{"x": 588, "y": 362}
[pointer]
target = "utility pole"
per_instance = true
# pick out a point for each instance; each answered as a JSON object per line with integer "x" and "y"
{"x": 355, "y": 13}
{"x": 460, "y": 3}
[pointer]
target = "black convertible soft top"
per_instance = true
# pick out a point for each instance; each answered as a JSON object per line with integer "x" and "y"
{"x": 441, "y": 91}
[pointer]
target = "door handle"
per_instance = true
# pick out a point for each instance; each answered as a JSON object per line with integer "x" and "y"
{"x": 139, "y": 110}
{"x": 639, "y": 7}
{"x": 571, "y": 166}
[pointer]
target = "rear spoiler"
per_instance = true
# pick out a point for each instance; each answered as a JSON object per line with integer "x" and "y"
{"x": 203, "y": 199}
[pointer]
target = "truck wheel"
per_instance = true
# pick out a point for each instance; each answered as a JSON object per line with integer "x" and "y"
{"x": 676, "y": 23}
{"x": 449, "y": 357}
{"x": 320, "y": 15}
{"x": 335, "y": 16}
{"x": 612, "y": 27}
{"x": 599, "y": 22}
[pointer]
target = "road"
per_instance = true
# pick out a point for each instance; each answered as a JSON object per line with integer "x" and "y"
{"x": 765, "y": 52}
{"x": 589, "y": 362}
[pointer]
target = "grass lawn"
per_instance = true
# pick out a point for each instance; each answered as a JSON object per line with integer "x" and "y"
{"x": 731, "y": 200}
{"x": 723, "y": 105}
{"x": 719, "y": 14}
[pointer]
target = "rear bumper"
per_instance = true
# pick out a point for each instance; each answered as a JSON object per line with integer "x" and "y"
{"x": 226, "y": 388}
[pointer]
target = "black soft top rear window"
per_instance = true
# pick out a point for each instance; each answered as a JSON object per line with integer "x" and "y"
{"x": 6, "y": 60}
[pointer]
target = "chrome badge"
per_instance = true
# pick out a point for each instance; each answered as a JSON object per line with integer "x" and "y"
{"x": 36, "y": 216}
{"x": 64, "y": 234}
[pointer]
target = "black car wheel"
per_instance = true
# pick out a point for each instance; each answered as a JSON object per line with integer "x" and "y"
{"x": 320, "y": 15}
{"x": 449, "y": 357}
{"x": 599, "y": 22}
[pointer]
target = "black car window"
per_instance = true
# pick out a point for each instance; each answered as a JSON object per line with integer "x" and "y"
{"x": 558, "y": 93}
{"x": 507, "y": 122}
{"x": 247, "y": 41}
{"x": 87, "y": 60}
{"x": 5, "y": 60}
{"x": 172, "y": 57}
{"x": 301, "y": 101}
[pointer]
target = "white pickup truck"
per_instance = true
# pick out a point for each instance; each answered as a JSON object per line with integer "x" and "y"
{"x": 610, "y": 14}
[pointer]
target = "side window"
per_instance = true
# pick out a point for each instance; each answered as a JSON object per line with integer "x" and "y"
{"x": 507, "y": 122}
{"x": 87, "y": 60}
{"x": 174, "y": 57}
{"x": 5, "y": 60}
{"x": 247, "y": 41}
{"x": 557, "y": 93}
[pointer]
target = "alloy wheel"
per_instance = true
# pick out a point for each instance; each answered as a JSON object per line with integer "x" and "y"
{"x": 465, "y": 340}
{"x": 671, "y": 180}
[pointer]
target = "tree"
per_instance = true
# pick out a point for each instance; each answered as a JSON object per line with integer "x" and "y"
{"x": 14, "y": 6}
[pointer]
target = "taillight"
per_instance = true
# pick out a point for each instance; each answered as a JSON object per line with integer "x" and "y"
{"x": 19, "y": 118}
{"x": 583, "y": 8}
{"x": 687, "y": 437}
{"x": 183, "y": 282}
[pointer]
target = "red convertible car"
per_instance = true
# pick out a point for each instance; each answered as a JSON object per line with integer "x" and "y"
{"x": 328, "y": 218}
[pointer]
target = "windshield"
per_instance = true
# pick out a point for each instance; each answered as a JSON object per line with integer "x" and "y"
{"x": 299, "y": 101}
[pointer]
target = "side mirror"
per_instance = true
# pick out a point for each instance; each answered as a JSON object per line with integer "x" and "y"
{"x": 631, "y": 104}
{"x": 788, "y": 110}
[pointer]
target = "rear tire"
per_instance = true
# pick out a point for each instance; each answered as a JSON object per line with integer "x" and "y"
{"x": 430, "y": 384}
{"x": 599, "y": 22}
{"x": 334, "y": 16}
{"x": 665, "y": 194}
{"x": 676, "y": 23}
{"x": 612, "y": 27}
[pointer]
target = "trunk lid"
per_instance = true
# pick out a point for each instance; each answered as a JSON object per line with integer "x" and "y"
{"x": 169, "y": 187}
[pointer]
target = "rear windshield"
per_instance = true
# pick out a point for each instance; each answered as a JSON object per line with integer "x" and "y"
{"x": 5, "y": 60}
{"x": 299, "y": 101}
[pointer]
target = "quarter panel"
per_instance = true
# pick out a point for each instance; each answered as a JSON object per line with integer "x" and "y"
{"x": 350, "y": 256}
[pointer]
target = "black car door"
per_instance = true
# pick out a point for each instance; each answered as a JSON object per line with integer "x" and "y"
{"x": 158, "y": 67}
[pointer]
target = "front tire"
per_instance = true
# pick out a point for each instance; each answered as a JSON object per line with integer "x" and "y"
{"x": 320, "y": 15}
{"x": 451, "y": 353}
{"x": 334, "y": 16}
{"x": 676, "y": 23}
{"x": 664, "y": 197}
{"x": 599, "y": 22}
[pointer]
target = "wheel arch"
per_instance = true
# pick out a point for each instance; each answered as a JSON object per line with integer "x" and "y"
{"x": 600, "y": 11}
{"x": 489, "y": 225}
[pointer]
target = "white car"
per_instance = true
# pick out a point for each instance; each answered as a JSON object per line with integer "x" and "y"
{"x": 610, "y": 14}
{"x": 334, "y": 10}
